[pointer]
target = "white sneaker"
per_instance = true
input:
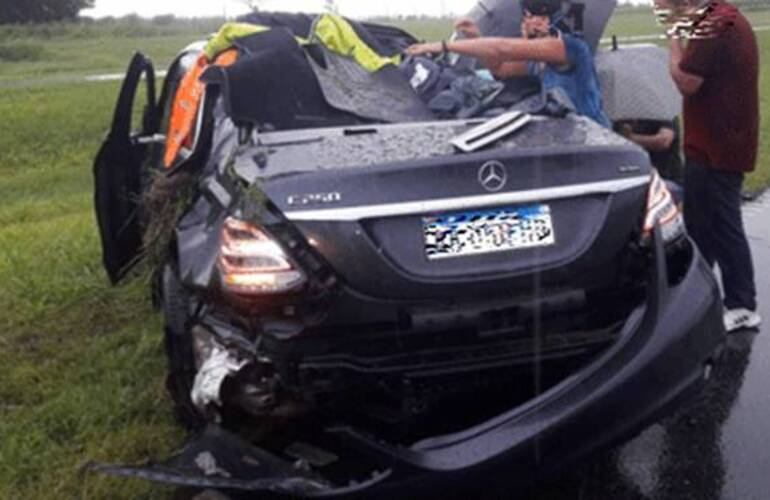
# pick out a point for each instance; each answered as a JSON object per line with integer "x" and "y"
{"x": 736, "y": 319}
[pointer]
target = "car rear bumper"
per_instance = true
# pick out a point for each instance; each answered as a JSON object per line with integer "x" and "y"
{"x": 661, "y": 358}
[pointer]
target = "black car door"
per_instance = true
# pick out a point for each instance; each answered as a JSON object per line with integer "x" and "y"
{"x": 120, "y": 173}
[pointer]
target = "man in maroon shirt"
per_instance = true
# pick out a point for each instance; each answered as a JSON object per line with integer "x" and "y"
{"x": 718, "y": 72}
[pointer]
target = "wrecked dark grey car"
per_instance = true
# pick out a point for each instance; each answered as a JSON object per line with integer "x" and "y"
{"x": 360, "y": 297}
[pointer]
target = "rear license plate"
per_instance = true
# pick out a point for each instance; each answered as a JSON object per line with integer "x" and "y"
{"x": 481, "y": 232}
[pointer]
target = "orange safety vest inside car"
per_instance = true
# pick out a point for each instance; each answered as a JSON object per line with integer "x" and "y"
{"x": 186, "y": 103}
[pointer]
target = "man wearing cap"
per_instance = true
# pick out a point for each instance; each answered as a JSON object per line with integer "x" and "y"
{"x": 548, "y": 50}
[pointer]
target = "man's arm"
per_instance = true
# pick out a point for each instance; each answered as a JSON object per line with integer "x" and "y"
{"x": 655, "y": 143}
{"x": 549, "y": 50}
{"x": 504, "y": 70}
{"x": 470, "y": 30}
{"x": 503, "y": 56}
{"x": 687, "y": 83}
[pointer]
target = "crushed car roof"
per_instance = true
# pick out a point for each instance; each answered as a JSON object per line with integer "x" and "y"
{"x": 335, "y": 148}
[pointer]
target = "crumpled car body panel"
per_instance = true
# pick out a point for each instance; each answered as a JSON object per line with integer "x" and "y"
{"x": 383, "y": 371}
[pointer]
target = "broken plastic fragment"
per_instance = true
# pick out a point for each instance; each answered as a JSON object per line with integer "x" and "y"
{"x": 217, "y": 367}
{"x": 207, "y": 463}
{"x": 491, "y": 131}
{"x": 218, "y": 459}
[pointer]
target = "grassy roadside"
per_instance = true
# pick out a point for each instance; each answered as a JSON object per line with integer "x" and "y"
{"x": 81, "y": 363}
{"x": 73, "y": 57}
{"x": 62, "y": 49}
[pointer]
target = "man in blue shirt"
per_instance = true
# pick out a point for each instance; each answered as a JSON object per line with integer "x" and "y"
{"x": 560, "y": 59}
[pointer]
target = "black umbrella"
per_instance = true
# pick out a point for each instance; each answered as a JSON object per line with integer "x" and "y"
{"x": 637, "y": 85}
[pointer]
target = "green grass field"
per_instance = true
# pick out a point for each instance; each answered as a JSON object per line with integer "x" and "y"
{"x": 81, "y": 364}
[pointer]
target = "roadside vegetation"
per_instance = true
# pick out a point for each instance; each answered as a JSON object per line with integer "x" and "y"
{"x": 81, "y": 363}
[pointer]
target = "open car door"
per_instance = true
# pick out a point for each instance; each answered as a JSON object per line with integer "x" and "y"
{"x": 120, "y": 173}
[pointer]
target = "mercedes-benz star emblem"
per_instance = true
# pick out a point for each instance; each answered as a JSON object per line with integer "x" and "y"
{"x": 492, "y": 176}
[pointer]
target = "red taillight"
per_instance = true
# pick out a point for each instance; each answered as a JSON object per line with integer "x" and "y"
{"x": 662, "y": 210}
{"x": 252, "y": 263}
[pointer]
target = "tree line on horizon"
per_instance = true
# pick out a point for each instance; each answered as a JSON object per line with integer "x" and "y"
{"x": 41, "y": 11}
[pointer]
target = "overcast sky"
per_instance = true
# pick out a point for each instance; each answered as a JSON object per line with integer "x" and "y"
{"x": 351, "y": 8}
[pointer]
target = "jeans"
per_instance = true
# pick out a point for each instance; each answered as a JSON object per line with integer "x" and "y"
{"x": 712, "y": 213}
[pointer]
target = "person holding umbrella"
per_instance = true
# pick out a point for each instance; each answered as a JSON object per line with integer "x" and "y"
{"x": 559, "y": 58}
{"x": 717, "y": 71}
{"x": 644, "y": 104}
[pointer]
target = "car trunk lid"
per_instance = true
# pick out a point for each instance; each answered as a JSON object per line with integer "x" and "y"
{"x": 370, "y": 215}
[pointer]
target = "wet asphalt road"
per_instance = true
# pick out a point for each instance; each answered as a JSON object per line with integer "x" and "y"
{"x": 718, "y": 447}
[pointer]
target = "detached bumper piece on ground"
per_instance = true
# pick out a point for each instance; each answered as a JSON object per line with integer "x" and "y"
{"x": 359, "y": 297}
{"x": 220, "y": 460}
